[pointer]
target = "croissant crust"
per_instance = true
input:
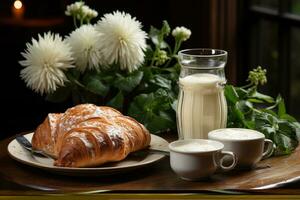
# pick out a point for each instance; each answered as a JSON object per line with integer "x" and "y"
{"x": 89, "y": 135}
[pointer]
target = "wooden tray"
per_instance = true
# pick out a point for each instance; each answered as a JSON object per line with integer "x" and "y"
{"x": 271, "y": 173}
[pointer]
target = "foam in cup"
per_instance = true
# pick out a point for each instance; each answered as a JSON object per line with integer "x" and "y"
{"x": 195, "y": 147}
{"x": 236, "y": 134}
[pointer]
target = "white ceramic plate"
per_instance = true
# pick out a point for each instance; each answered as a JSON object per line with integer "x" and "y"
{"x": 133, "y": 161}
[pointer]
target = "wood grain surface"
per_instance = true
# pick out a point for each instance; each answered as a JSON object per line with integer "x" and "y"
{"x": 270, "y": 173}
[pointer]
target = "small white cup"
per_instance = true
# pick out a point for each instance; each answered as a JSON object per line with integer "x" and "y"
{"x": 194, "y": 159}
{"x": 248, "y": 145}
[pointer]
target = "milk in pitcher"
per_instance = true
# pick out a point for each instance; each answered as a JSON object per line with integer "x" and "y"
{"x": 201, "y": 105}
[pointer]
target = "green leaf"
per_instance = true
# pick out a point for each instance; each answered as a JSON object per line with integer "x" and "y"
{"x": 297, "y": 128}
{"x": 241, "y": 93}
{"x": 238, "y": 113}
{"x": 149, "y": 53}
{"x": 267, "y": 130}
{"x": 270, "y": 112}
{"x": 154, "y": 110}
{"x": 156, "y": 37}
{"x": 138, "y": 106}
{"x": 148, "y": 74}
{"x": 60, "y": 95}
{"x": 164, "y": 99}
{"x": 158, "y": 123}
{"x": 73, "y": 73}
{"x": 281, "y": 132}
{"x": 256, "y": 101}
{"x": 280, "y": 149}
{"x": 249, "y": 124}
{"x": 281, "y": 128}
{"x": 252, "y": 90}
{"x": 174, "y": 105}
{"x": 259, "y": 96}
{"x": 95, "y": 86}
{"x": 136, "y": 111}
{"x": 231, "y": 94}
{"x": 288, "y": 117}
{"x": 161, "y": 81}
{"x": 117, "y": 101}
{"x": 287, "y": 129}
{"x": 278, "y": 100}
{"x": 244, "y": 106}
{"x": 165, "y": 28}
{"x": 106, "y": 77}
{"x": 128, "y": 82}
{"x": 153, "y": 32}
{"x": 281, "y": 108}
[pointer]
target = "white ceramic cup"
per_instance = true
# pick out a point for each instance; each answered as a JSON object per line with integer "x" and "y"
{"x": 194, "y": 159}
{"x": 249, "y": 146}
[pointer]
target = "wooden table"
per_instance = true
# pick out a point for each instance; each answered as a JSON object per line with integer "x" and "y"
{"x": 158, "y": 178}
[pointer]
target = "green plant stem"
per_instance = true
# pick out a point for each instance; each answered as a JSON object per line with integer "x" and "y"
{"x": 157, "y": 48}
{"x": 78, "y": 83}
{"x": 247, "y": 86}
{"x": 75, "y": 22}
{"x": 153, "y": 57}
{"x": 174, "y": 53}
{"x": 169, "y": 61}
{"x": 177, "y": 46}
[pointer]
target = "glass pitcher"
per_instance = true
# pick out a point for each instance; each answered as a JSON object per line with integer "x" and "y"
{"x": 201, "y": 104}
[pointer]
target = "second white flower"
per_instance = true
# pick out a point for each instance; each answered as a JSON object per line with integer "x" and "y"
{"x": 84, "y": 43}
{"x": 122, "y": 40}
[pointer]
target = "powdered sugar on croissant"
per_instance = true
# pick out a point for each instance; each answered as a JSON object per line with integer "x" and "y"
{"x": 89, "y": 135}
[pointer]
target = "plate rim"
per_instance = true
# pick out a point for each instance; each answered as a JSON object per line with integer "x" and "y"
{"x": 83, "y": 169}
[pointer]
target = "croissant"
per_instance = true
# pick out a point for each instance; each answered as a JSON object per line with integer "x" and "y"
{"x": 88, "y": 135}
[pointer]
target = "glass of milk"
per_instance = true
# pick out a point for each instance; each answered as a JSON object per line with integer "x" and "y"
{"x": 201, "y": 104}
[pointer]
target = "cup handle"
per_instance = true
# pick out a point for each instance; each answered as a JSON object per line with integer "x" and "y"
{"x": 269, "y": 150}
{"x": 234, "y": 160}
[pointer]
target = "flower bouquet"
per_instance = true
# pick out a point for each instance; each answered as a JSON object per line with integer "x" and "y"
{"x": 109, "y": 63}
{"x": 114, "y": 62}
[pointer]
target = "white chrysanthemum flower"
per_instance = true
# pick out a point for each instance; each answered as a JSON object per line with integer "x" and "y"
{"x": 122, "y": 40}
{"x": 181, "y": 33}
{"x": 45, "y": 62}
{"x": 84, "y": 44}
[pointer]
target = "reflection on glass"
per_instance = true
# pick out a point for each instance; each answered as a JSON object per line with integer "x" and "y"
{"x": 295, "y": 73}
{"x": 264, "y": 52}
{"x": 272, "y": 4}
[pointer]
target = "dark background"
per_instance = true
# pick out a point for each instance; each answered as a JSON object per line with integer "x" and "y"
{"x": 257, "y": 32}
